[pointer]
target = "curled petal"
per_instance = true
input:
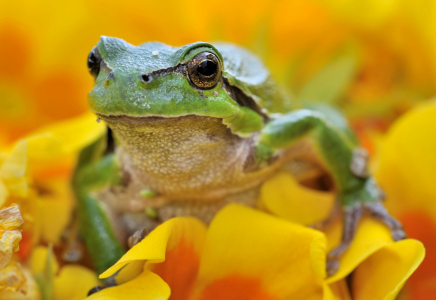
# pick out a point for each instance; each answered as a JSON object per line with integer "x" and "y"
{"x": 145, "y": 286}
{"x": 284, "y": 197}
{"x": 336, "y": 291}
{"x": 370, "y": 237}
{"x": 164, "y": 238}
{"x": 392, "y": 265}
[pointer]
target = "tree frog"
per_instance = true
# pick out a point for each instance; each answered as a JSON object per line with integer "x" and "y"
{"x": 198, "y": 127}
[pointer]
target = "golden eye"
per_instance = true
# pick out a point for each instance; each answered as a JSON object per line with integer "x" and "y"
{"x": 204, "y": 70}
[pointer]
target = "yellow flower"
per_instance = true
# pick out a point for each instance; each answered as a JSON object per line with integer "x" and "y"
{"x": 384, "y": 46}
{"x": 22, "y": 277}
{"x": 11, "y": 276}
{"x": 36, "y": 175}
{"x": 405, "y": 170}
{"x": 249, "y": 254}
{"x": 372, "y": 251}
{"x": 10, "y": 235}
{"x": 12, "y": 279}
{"x": 43, "y": 80}
{"x": 70, "y": 282}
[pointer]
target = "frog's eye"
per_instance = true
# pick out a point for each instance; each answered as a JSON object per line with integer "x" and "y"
{"x": 94, "y": 61}
{"x": 204, "y": 70}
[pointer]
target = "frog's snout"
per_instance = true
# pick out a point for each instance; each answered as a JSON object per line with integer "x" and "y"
{"x": 110, "y": 76}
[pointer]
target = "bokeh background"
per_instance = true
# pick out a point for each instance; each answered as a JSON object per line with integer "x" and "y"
{"x": 374, "y": 59}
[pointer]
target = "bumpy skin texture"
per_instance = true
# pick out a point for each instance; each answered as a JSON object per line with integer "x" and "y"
{"x": 197, "y": 149}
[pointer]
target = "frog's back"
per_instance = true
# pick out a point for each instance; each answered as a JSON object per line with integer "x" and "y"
{"x": 245, "y": 70}
{"x": 242, "y": 69}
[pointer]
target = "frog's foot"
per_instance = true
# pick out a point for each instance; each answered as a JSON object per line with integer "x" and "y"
{"x": 109, "y": 282}
{"x": 351, "y": 215}
{"x": 380, "y": 213}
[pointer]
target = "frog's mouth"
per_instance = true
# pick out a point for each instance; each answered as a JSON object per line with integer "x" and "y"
{"x": 146, "y": 119}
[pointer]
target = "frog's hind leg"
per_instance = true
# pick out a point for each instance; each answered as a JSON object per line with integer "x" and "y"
{"x": 340, "y": 155}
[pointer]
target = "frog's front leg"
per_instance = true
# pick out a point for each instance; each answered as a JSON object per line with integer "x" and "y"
{"x": 357, "y": 192}
{"x": 95, "y": 171}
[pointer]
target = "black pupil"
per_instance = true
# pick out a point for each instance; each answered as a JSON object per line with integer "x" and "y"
{"x": 207, "y": 68}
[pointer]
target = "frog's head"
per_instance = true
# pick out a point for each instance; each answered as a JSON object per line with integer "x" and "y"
{"x": 180, "y": 113}
{"x": 154, "y": 81}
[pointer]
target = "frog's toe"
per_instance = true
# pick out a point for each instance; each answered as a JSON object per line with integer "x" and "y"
{"x": 332, "y": 266}
{"x": 380, "y": 213}
{"x": 95, "y": 289}
{"x": 107, "y": 283}
{"x": 351, "y": 216}
{"x": 136, "y": 237}
{"x": 398, "y": 234}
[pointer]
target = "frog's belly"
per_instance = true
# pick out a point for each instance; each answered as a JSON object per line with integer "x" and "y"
{"x": 132, "y": 217}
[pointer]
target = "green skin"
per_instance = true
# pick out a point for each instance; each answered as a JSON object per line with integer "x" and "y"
{"x": 268, "y": 121}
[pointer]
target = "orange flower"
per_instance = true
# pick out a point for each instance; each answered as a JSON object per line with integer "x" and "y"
{"x": 247, "y": 254}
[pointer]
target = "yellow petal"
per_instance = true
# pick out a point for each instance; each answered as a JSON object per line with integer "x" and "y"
{"x": 64, "y": 137}
{"x": 15, "y": 165}
{"x": 283, "y": 196}
{"x": 10, "y": 218}
{"x": 182, "y": 261}
{"x": 181, "y": 242}
{"x": 162, "y": 239}
{"x": 13, "y": 170}
{"x": 3, "y": 193}
{"x": 146, "y": 286}
{"x": 38, "y": 260}
{"x": 55, "y": 208}
{"x": 370, "y": 237}
{"x": 407, "y": 161}
{"x": 253, "y": 252}
{"x": 12, "y": 278}
{"x": 74, "y": 283}
{"x": 10, "y": 235}
{"x": 32, "y": 290}
{"x": 8, "y": 245}
{"x": 383, "y": 274}
{"x": 369, "y": 13}
{"x": 336, "y": 291}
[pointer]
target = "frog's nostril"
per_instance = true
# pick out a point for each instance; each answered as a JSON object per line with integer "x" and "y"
{"x": 110, "y": 75}
{"x": 146, "y": 78}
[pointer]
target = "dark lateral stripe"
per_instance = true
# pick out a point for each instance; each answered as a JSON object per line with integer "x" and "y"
{"x": 178, "y": 69}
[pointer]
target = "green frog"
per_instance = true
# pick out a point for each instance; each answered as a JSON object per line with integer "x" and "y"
{"x": 198, "y": 127}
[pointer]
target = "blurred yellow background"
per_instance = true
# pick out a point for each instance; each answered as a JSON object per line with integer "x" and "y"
{"x": 385, "y": 50}
{"x": 375, "y": 59}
